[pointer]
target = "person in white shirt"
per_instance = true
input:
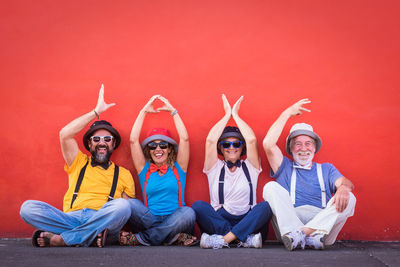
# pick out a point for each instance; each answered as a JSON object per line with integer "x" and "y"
{"x": 233, "y": 213}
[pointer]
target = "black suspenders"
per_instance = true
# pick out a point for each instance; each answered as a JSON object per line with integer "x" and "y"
{"x": 221, "y": 184}
{"x": 80, "y": 178}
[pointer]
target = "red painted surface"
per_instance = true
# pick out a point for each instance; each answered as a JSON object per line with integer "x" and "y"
{"x": 343, "y": 55}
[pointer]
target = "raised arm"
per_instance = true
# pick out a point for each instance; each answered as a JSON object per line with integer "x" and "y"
{"x": 274, "y": 154}
{"x": 136, "y": 150}
{"x": 343, "y": 187}
{"x": 69, "y": 146}
{"x": 183, "y": 148}
{"x": 213, "y": 136}
{"x": 248, "y": 135}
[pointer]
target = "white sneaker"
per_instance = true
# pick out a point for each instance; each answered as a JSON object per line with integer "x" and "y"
{"x": 316, "y": 241}
{"x": 293, "y": 239}
{"x": 212, "y": 241}
{"x": 252, "y": 241}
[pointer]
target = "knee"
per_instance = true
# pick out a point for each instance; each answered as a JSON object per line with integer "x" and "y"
{"x": 199, "y": 205}
{"x": 352, "y": 200}
{"x": 352, "y": 203}
{"x": 121, "y": 206}
{"x": 188, "y": 214}
{"x": 135, "y": 203}
{"x": 265, "y": 210}
{"x": 269, "y": 189}
{"x": 264, "y": 206}
{"x": 27, "y": 208}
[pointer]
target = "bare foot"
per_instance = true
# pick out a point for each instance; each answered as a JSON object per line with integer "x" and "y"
{"x": 99, "y": 240}
{"x": 127, "y": 239}
{"x": 123, "y": 240}
{"x": 185, "y": 239}
{"x": 47, "y": 239}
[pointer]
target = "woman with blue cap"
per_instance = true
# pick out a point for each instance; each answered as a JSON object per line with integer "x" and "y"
{"x": 233, "y": 213}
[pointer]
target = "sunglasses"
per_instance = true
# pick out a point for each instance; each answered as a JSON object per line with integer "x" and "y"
{"x": 154, "y": 145}
{"x": 107, "y": 138}
{"x": 228, "y": 144}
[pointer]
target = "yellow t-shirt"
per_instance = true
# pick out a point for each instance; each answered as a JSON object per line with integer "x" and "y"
{"x": 96, "y": 184}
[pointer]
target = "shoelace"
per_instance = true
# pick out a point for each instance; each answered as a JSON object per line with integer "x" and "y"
{"x": 218, "y": 243}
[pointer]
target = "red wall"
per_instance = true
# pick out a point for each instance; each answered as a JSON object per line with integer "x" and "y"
{"x": 343, "y": 55}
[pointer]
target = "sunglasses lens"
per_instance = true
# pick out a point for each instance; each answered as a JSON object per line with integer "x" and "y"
{"x": 96, "y": 139}
{"x": 226, "y": 144}
{"x": 108, "y": 139}
{"x": 237, "y": 144}
{"x": 153, "y": 145}
{"x": 163, "y": 146}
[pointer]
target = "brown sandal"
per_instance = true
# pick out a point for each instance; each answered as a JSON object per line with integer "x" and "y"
{"x": 36, "y": 235}
{"x": 102, "y": 237}
{"x": 186, "y": 240}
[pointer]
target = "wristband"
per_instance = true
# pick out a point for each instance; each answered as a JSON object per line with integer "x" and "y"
{"x": 173, "y": 113}
{"x": 97, "y": 115}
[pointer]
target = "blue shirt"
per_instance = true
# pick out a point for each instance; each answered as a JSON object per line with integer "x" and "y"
{"x": 308, "y": 190}
{"x": 162, "y": 191}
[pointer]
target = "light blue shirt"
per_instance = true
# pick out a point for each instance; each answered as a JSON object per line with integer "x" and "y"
{"x": 308, "y": 190}
{"x": 162, "y": 191}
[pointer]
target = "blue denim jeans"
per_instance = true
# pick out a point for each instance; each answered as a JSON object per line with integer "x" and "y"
{"x": 77, "y": 227}
{"x": 221, "y": 222}
{"x": 155, "y": 230}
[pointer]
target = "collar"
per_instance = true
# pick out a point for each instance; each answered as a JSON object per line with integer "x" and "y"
{"x": 297, "y": 166}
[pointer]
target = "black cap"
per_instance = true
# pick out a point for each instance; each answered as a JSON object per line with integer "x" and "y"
{"x": 97, "y": 125}
{"x": 231, "y": 131}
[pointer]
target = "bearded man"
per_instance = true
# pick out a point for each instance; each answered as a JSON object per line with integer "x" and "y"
{"x": 95, "y": 205}
{"x": 306, "y": 213}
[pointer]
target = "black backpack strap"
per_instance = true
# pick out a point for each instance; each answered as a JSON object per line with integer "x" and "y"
{"x": 114, "y": 184}
{"x": 246, "y": 172}
{"x": 221, "y": 185}
{"x": 78, "y": 183}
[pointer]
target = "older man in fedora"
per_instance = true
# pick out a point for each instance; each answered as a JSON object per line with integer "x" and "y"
{"x": 310, "y": 201}
{"x": 95, "y": 204}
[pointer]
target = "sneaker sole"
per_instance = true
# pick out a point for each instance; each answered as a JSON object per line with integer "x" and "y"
{"x": 287, "y": 242}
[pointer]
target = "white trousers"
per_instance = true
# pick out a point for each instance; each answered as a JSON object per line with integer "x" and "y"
{"x": 287, "y": 218}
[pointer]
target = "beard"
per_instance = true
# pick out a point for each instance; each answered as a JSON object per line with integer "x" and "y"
{"x": 101, "y": 158}
{"x": 301, "y": 161}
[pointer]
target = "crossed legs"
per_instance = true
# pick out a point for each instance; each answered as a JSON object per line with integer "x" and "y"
{"x": 76, "y": 227}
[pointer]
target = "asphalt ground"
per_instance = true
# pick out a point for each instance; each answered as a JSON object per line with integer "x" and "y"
{"x": 20, "y": 252}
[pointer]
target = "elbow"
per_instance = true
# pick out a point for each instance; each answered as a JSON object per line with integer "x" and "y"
{"x": 251, "y": 141}
{"x": 268, "y": 146}
{"x": 63, "y": 134}
{"x": 134, "y": 141}
{"x": 184, "y": 139}
{"x": 211, "y": 143}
